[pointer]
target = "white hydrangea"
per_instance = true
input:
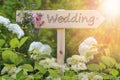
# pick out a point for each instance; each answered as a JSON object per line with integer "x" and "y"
{"x": 45, "y": 49}
{"x": 85, "y": 78}
{"x": 8, "y": 69}
{"x": 88, "y": 46}
{"x": 78, "y": 67}
{"x": 15, "y": 28}
{"x": 55, "y": 65}
{"x": 50, "y": 63}
{"x": 89, "y": 76}
{"x": 35, "y": 45}
{"x": 82, "y": 76}
{"x": 97, "y": 77}
{"x": 37, "y": 48}
{"x": 75, "y": 59}
{"x": 4, "y": 21}
{"x": 65, "y": 67}
{"x": 90, "y": 41}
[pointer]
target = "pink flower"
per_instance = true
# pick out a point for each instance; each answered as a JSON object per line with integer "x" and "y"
{"x": 37, "y": 19}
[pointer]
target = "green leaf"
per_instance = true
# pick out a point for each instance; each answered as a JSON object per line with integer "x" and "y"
{"x": 43, "y": 56}
{"x": 114, "y": 72}
{"x": 14, "y": 57}
{"x": 69, "y": 78}
{"x": 117, "y": 66}
{"x": 0, "y": 77}
{"x": 6, "y": 56}
{"x": 27, "y": 67}
{"x": 38, "y": 4}
{"x": 105, "y": 76}
{"x": 108, "y": 61}
{"x": 93, "y": 67}
{"x": 11, "y": 57}
{"x": 19, "y": 75}
{"x": 14, "y": 43}
{"x": 2, "y": 42}
{"x": 22, "y": 41}
{"x": 40, "y": 68}
{"x": 102, "y": 66}
{"x": 54, "y": 73}
{"x": 70, "y": 73}
{"x": 37, "y": 76}
{"x": 7, "y": 77}
{"x": 17, "y": 60}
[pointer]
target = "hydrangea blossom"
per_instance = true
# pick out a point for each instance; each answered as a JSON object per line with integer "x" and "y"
{"x": 77, "y": 63}
{"x": 15, "y": 28}
{"x": 8, "y": 69}
{"x": 97, "y": 77}
{"x": 45, "y": 49}
{"x": 89, "y": 76}
{"x": 46, "y": 63}
{"x": 88, "y": 46}
{"x": 4, "y": 21}
{"x": 82, "y": 76}
{"x": 37, "y": 49}
{"x": 90, "y": 41}
{"x": 65, "y": 68}
{"x": 75, "y": 59}
{"x": 35, "y": 45}
{"x": 78, "y": 67}
{"x": 50, "y": 63}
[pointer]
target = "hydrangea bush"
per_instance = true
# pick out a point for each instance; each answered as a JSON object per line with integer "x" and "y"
{"x": 38, "y": 64}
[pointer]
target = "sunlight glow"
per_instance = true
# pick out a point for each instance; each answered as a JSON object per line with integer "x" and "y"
{"x": 110, "y": 7}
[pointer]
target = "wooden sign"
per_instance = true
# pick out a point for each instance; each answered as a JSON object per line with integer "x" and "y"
{"x": 66, "y": 19}
{"x": 70, "y": 18}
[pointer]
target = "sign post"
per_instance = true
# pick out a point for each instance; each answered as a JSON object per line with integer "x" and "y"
{"x": 66, "y": 19}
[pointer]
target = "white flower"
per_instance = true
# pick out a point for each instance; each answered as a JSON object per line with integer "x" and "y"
{"x": 4, "y": 70}
{"x": 38, "y": 49}
{"x": 15, "y": 28}
{"x": 47, "y": 62}
{"x": 87, "y": 47}
{"x": 85, "y": 78}
{"x": 79, "y": 58}
{"x": 90, "y": 41}
{"x": 4, "y": 21}
{"x": 78, "y": 67}
{"x": 45, "y": 49}
{"x": 35, "y": 45}
{"x": 8, "y": 69}
{"x": 75, "y": 59}
{"x": 97, "y": 77}
{"x": 55, "y": 65}
{"x": 83, "y": 49}
{"x": 65, "y": 68}
{"x": 50, "y": 63}
{"x": 82, "y": 76}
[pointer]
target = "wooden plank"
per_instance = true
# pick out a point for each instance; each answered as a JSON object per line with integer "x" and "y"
{"x": 68, "y": 18}
{"x": 60, "y": 45}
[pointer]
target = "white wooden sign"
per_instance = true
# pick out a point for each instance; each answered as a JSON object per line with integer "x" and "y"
{"x": 67, "y": 19}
